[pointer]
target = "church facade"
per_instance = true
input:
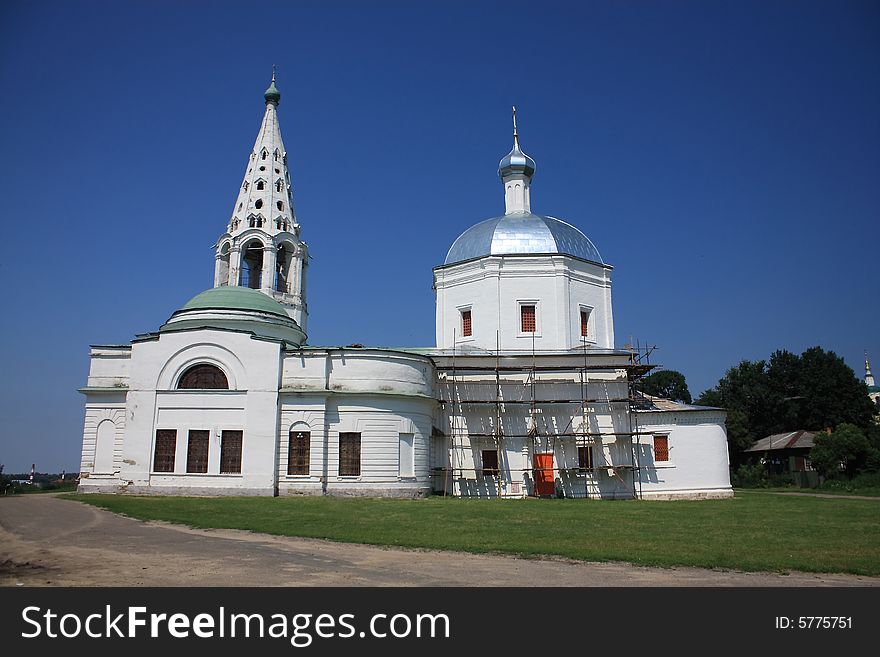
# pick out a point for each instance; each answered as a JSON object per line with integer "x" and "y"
{"x": 524, "y": 393}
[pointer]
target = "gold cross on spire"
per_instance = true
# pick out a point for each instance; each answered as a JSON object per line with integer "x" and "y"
{"x": 515, "y": 136}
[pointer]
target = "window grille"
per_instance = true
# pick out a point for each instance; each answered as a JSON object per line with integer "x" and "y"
{"x": 349, "y": 454}
{"x": 166, "y": 446}
{"x": 230, "y": 452}
{"x": 528, "y": 319}
{"x": 661, "y": 448}
{"x": 298, "y": 452}
{"x": 466, "y": 328}
{"x": 203, "y": 377}
{"x": 197, "y": 451}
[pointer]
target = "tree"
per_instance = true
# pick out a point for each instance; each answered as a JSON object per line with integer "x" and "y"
{"x": 667, "y": 384}
{"x": 846, "y": 447}
{"x": 813, "y": 391}
{"x": 745, "y": 393}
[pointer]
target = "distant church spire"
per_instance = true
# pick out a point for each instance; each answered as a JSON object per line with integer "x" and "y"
{"x": 261, "y": 248}
{"x": 869, "y": 378}
{"x": 516, "y": 170}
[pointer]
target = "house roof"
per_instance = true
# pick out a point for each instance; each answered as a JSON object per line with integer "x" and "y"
{"x": 790, "y": 440}
{"x": 650, "y": 403}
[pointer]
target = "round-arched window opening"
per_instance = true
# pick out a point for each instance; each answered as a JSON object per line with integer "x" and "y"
{"x": 203, "y": 377}
{"x": 258, "y": 204}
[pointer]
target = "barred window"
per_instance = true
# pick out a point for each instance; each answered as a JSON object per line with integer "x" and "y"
{"x": 490, "y": 463}
{"x": 230, "y": 452}
{"x": 298, "y": 447}
{"x": 585, "y": 457}
{"x": 197, "y": 451}
{"x": 203, "y": 377}
{"x": 527, "y": 316}
{"x": 466, "y": 328}
{"x": 661, "y": 448}
{"x": 349, "y": 454}
{"x": 585, "y": 323}
{"x": 166, "y": 446}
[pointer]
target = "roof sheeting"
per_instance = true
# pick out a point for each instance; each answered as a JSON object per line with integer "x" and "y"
{"x": 790, "y": 440}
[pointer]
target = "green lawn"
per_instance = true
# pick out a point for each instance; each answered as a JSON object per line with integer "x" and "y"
{"x": 756, "y": 531}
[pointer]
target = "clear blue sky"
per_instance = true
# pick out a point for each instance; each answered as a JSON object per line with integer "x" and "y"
{"x": 723, "y": 156}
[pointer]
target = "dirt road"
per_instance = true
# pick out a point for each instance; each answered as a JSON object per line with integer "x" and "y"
{"x": 47, "y": 541}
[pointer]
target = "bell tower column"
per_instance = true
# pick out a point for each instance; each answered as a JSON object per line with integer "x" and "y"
{"x": 267, "y": 279}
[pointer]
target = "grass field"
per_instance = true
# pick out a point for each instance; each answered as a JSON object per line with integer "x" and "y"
{"x": 755, "y": 531}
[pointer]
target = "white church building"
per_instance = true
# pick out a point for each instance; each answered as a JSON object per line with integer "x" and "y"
{"x": 524, "y": 394}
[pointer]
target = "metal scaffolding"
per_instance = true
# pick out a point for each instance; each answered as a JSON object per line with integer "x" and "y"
{"x": 523, "y": 389}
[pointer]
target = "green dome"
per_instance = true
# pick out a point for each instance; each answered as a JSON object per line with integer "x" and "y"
{"x": 272, "y": 94}
{"x": 230, "y": 297}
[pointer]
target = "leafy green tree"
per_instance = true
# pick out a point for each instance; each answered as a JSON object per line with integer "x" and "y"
{"x": 846, "y": 447}
{"x": 745, "y": 392}
{"x": 667, "y": 384}
{"x": 812, "y": 391}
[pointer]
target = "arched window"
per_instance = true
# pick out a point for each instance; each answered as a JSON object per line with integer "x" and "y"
{"x": 279, "y": 186}
{"x": 203, "y": 377}
{"x": 264, "y": 154}
{"x": 279, "y": 205}
{"x": 258, "y": 204}
{"x": 261, "y": 185}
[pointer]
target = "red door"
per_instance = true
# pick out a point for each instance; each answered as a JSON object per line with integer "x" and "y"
{"x": 544, "y": 484}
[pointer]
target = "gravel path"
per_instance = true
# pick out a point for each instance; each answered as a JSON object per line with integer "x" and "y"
{"x": 48, "y": 541}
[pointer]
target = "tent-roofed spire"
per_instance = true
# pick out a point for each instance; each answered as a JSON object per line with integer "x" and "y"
{"x": 265, "y": 199}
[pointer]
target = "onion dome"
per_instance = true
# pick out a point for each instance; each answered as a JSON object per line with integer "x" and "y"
{"x": 272, "y": 94}
{"x": 516, "y": 162}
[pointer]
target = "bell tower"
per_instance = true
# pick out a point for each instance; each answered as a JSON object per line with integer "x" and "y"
{"x": 261, "y": 248}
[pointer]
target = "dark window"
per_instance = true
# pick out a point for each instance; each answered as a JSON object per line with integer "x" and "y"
{"x": 349, "y": 454}
{"x": 197, "y": 452}
{"x": 261, "y": 185}
{"x": 203, "y": 377}
{"x": 585, "y": 323}
{"x": 230, "y": 452}
{"x": 585, "y": 458}
{"x": 298, "y": 453}
{"x": 661, "y": 448}
{"x": 528, "y": 318}
{"x": 166, "y": 446}
{"x": 258, "y": 203}
{"x": 279, "y": 205}
{"x": 264, "y": 154}
{"x": 279, "y": 186}
{"x": 466, "y": 328}
{"x": 490, "y": 463}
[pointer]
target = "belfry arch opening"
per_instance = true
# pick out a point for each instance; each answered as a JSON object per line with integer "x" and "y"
{"x": 284, "y": 262}
{"x": 251, "y": 265}
{"x": 223, "y": 265}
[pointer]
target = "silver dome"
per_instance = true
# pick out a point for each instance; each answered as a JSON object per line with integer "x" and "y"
{"x": 516, "y": 162}
{"x": 521, "y": 233}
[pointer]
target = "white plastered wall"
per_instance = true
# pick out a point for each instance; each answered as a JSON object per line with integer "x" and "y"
{"x": 493, "y": 289}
